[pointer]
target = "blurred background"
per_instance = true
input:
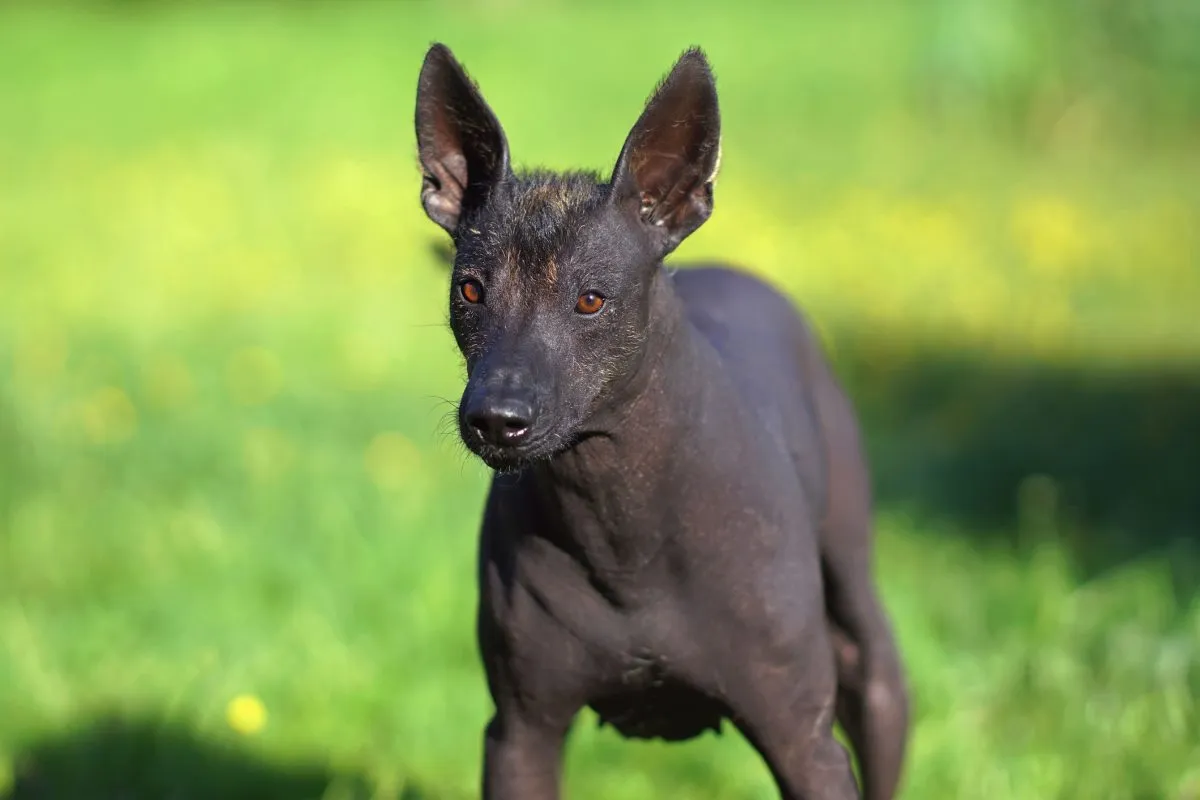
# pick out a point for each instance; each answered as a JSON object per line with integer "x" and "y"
{"x": 237, "y": 548}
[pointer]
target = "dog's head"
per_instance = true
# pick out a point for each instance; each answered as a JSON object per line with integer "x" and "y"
{"x": 552, "y": 276}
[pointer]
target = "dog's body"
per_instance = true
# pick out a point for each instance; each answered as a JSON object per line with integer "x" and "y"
{"x": 679, "y": 530}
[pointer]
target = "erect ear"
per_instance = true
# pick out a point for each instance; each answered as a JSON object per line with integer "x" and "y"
{"x": 666, "y": 169}
{"x": 460, "y": 142}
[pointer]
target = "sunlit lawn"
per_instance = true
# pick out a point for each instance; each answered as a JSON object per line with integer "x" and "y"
{"x": 224, "y": 368}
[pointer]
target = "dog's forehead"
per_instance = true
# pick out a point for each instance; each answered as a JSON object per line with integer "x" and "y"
{"x": 536, "y": 226}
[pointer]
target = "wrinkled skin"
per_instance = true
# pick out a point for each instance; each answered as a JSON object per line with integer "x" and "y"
{"x": 519, "y": 339}
{"x": 679, "y": 529}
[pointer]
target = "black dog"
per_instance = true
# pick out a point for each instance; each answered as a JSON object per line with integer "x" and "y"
{"x": 679, "y": 530}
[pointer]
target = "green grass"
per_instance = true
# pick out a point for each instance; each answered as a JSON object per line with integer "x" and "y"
{"x": 223, "y": 365}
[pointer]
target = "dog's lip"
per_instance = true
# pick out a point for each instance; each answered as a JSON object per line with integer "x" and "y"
{"x": 512, "y": 456}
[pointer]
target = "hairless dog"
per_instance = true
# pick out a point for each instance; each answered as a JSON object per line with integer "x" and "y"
{"x": 678, "y": 530}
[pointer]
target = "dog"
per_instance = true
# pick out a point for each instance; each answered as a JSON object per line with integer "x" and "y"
{"x": 678, "y": 531}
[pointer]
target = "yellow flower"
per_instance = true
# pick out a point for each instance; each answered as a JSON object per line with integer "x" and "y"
{"x": 246, "y": 714}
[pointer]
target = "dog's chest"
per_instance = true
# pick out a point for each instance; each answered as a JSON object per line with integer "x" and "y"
{"x": 646, "y": 701}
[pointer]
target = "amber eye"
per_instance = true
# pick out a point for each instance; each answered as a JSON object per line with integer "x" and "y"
{"x": 589, "y": 303}
{"x": 471, "y": 290}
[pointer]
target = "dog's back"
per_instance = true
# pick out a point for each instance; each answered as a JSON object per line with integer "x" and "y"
{"x": 766, "y": 347}
{"x": 779, "y": 366}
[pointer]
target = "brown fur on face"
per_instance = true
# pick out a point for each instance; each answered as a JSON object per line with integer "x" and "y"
{"x": 530, "y": 223}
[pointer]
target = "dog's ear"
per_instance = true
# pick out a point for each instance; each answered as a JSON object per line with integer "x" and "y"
{"x": 664, "y": 175}
{"x": 462, "y": 147}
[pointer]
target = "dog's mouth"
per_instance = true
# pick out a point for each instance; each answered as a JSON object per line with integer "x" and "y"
{"x": 514, "y": 458}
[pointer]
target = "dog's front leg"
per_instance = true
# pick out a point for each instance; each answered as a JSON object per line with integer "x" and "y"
{"x": 795, "y": 738}
{"x": 522, "y": 760}
{"x": 782, "y": 699}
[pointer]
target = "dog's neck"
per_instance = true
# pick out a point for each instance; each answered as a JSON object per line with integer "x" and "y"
{"x": 606, "y": 493}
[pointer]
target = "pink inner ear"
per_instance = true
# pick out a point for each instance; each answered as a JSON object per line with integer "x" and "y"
{"x": 453, "y": 165}
{"x": 443, "y": 199}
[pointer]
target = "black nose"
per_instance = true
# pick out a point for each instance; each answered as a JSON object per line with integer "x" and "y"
{"x": 503, "y": 422}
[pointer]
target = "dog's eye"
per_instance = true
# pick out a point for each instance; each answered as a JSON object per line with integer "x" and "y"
{"x": 471, "y": 290}
{"x": 589, "y": 303}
